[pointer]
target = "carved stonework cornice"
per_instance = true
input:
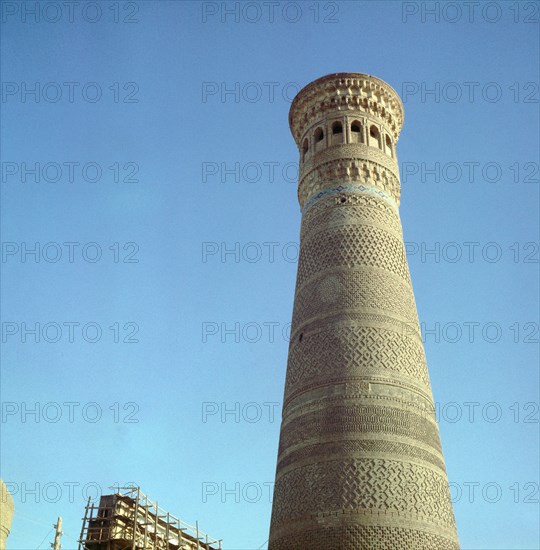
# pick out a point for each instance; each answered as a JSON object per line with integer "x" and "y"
{"x": 348, "y": 171}
{"x": 358, "y": 151}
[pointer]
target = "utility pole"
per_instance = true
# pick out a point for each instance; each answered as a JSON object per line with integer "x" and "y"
{"x": 59, "y": 533}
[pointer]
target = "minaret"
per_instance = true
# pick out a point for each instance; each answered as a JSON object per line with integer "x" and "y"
{"x": 360, "y": 464}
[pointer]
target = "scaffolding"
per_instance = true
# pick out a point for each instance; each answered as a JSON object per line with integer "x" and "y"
{"x": 129, "y": 520}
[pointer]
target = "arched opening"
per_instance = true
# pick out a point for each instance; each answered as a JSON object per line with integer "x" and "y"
{"x": 305, "y": 149}
{"x": 319, "y": 138}
{"x": 337, "y": 127}
{"x": 356, "y": 132}
{"x": 374, "y": 137}
{"x": 389, "y": 150}
{"x": 337, "y": 132}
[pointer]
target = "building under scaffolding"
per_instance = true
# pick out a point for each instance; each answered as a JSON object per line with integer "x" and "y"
{"x": 129, "y": 520}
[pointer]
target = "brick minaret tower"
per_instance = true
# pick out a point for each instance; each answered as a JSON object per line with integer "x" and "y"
{"x": 360, "y": 464}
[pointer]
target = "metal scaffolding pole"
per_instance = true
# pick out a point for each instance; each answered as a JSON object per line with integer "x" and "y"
{"x": 145, "y": 522}
{"x": 167, "y": 531}
{"x": 180, "y": 535}
{"x": 81, "y": 539}
{"x": 134, "y": 543}
{"x": 156, "y": 519}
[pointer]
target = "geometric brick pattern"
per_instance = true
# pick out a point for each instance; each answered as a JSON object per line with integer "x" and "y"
{"x": 372, "y": 210}
{"x": 360, "y": 421}
{"x": 374, "y": 484}
{"x": 349, "y": 247}
{"x": 358, "y": 447}
{"x": 364, "y": 537}
{"x": 340, "y": 211}
{"x": 360, "y": 463}
{"x": 352, "y": 290}
{"x": 355, "y": 349}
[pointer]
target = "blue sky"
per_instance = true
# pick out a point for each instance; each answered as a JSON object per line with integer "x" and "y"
{"x": 160, "y": 134}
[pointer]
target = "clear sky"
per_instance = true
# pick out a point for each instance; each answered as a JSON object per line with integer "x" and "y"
{"x": 160, "y": 134}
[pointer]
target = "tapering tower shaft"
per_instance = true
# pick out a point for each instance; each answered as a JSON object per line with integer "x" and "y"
{"x": 360, "y": 464}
